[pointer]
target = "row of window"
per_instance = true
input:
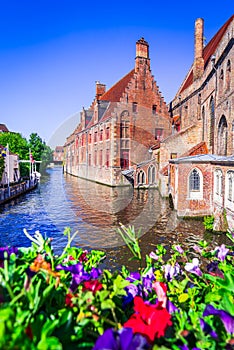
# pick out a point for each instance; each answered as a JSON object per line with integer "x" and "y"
{"x": 96, "y": 137}
{"x": 229, "y": 184}
{"x": 196, "y": 184}
{"x": 141, "y": 176}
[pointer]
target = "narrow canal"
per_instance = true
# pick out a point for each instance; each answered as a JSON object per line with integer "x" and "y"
{"x": 95, "y": 212}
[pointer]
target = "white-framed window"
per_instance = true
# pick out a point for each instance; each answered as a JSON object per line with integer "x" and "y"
{"x": 151, "y": 174}
{"x": 229, "y": 190}
{"x": 230, "y": 186}
{"x": 195, "y": 184}
{"x": 141, "y": 177}
{"x": 218, "y": 185}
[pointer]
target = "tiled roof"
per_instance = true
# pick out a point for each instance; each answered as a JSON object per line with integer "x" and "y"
{"x": 116, "y": 91}
{"x": 200, "y": 148}
{"x": 201, "y": 158}
{"x": 208, "y": 51}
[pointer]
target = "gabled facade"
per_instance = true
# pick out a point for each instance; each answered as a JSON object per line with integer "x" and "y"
{"x": 117, "y": 131}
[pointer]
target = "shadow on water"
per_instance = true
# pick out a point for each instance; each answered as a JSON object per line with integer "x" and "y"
{"x": 96, "y": 211}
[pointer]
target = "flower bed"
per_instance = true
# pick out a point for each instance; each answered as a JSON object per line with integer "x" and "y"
{"x": 68, "y": 302}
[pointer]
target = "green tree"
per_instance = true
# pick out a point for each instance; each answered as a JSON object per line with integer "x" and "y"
{"x": 40, "y": 150}
{"x": 18, "y": 145}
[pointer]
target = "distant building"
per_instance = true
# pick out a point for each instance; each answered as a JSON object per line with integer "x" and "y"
{"x": 58, "y": 155}
{"x": 3, "y": 128}
{"x": 11, "y": 171}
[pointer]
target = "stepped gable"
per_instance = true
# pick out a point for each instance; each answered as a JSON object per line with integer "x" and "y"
{"x": 115, "y": 93}
{"x": 208, "y": 51}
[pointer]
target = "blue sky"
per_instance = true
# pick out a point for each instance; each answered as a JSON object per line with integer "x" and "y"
{"x": 53, "y": 51}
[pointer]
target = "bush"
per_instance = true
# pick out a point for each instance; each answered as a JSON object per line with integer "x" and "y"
{"x": 67, "y": 302}
{"x": 208, "y": 222}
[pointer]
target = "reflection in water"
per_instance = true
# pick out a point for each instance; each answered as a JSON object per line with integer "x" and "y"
{"x": 95, "y": 211}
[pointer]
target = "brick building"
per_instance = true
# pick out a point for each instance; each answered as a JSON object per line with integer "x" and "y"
{"x": 58, "y": 155}
{"x": 200, "y": 151}
{"x": 118, "y": 130}
{"x": 204, "y": 185}
{"x": 128, "y": 133}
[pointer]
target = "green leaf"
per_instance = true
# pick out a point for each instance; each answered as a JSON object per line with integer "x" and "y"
{"x": 119, "y": 284}
{"x": 51, "y": 343}
{"x": 212, "y": 297}
{"x": 107, "y": 304}
{"x": 103, "y": 295}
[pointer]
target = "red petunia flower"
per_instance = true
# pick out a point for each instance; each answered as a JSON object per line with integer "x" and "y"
{"x": 68, "y": 299}
{"x": 149, "y": 320}
{"x": 92, "y": 285}
{"x": 83, "y": 257}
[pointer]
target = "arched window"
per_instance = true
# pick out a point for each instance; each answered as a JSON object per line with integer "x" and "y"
{"x": 212, "y": 123}
{"x": 229, "y": 186}
{"x": 141, "y": 177}
{"x": 228, "y": 75}
{"x": 194, "y": 180}
{"x": 151, "y": 175}
{"x": 124, "y": 142}
{"x": 195, "y": 184}
{"x": 222, "y": 136}
{"x": 218, "y": 184}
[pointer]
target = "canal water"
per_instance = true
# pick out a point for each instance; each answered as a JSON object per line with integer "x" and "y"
{"x": 95, "y": 212}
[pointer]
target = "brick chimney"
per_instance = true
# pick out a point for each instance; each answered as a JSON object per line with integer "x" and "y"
{"x": 142, "y": 53}
{"x": 198, "y": 64}
{"x": 100, "y": 90}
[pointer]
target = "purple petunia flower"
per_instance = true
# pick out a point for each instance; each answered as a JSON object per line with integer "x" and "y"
{"x": 79, "y": 274}
{"x": 226, "y": 318}
{"x": 179, "y": 249}
{"x": 171, "y": 308}
{"x": 154, "y": 256}
{"x": 171, "y": 271}
{"x": 193, "y": 267}
{"x": 147, "y": 280}
{"x": 134, "y": 276}
{"x": 184, "y": 347}
{"x": 197, "y": 249}
{"x": 124, "y": 339}
{"x": 207, "y": 329}
{"x": 213, "y": 269}
{"x": 221, "y": 252}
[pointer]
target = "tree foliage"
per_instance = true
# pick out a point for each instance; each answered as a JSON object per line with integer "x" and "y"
{"x": 22, "y": 147}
